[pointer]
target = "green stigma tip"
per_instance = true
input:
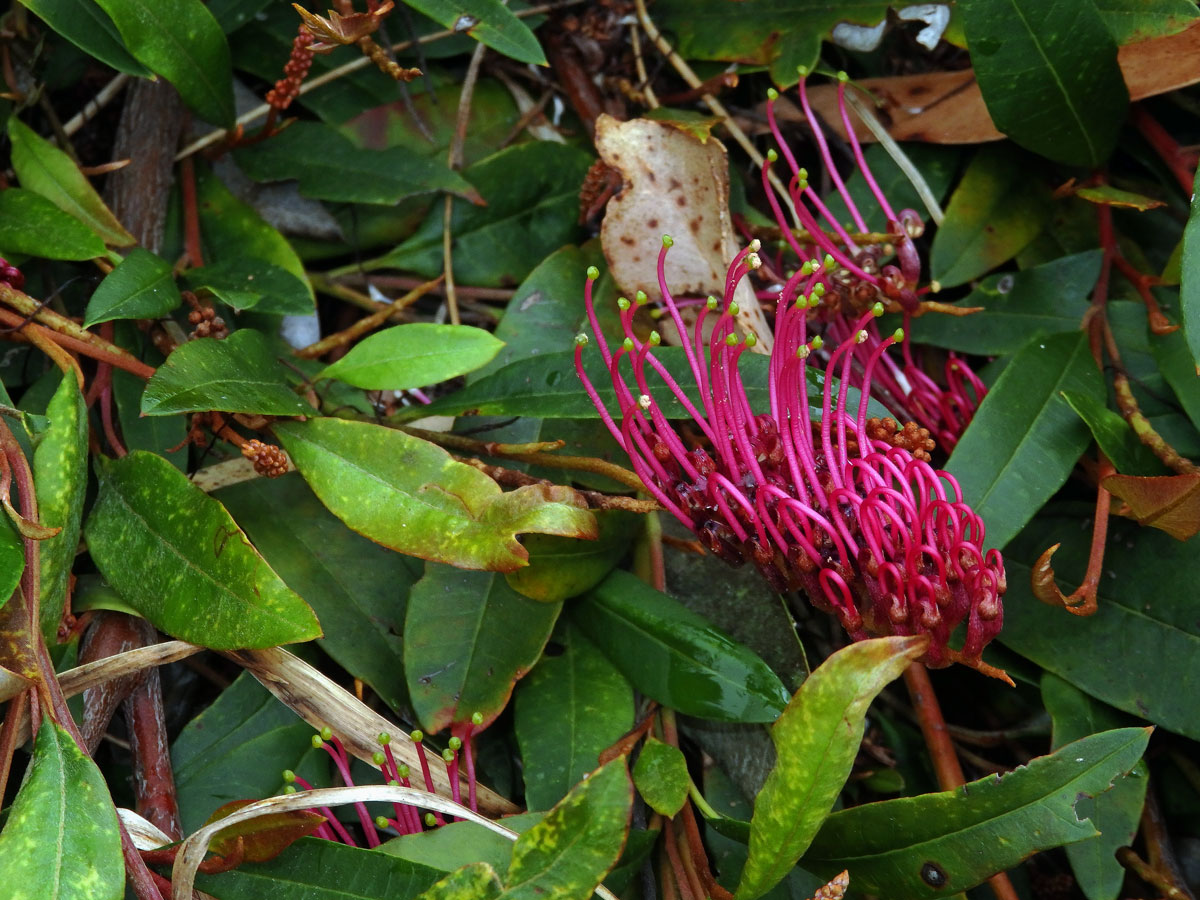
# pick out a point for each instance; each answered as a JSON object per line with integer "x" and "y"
{"x": 392, "y": 782}
{"x": 802, "y": 184}
{"x": 668, "y": 241}
{"x": 384, "y": 738}
{"x": 448, "y": 755}
{"x": 877, "y": 309}
{"x": 819, "y": 289}
{"x": 581, "y": 339}
{"x": 640, "y": 297}
{"x": 476, "y": 719}
{"x": 898, "y": 335}
{"x": 861, "y": 337}
{"x": 417, "y": 735}
{"x": 751, "y": 340}
{"x": 382, "y": 822}
{"x": 378, "y": 758}
{"x": 622, "y": 304}
{"x": 289, "y": 776}
{"x": 712, "y": 302}
{"x": 772, "y": 94}
{"x": 655, "y": 339}
{"x": 829, "y": 260}
{"x": 803, "y": 351}
{"x": 430, "y": 819}
{"x": 818, "y": 342}
{"x": 455, "y": 743}
{"x": 290, "y": 789}
{"x": 807, "y": 268}
{"x": 731, "y": 340}
{"x": 593, "y": 273}
{"x": 317, "y": 742}
{"x": 802, "y": 71}
{"x": 815, "y": 299}
{"x": 843, "y": 77}
{"x": 402, "y": 770}
{"x": 802, "y": 174}
{"x": 627, "y": 345}
{"x": 772, "y": 156}
{"x": 734, "y": 309}
{"x": 326, "y": 733}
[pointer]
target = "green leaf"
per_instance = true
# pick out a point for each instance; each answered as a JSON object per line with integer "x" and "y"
{"x": 1189, "y": 286}
{"x": 997, "y": 208}
{"x": 474, "y": 881}
{"x": 12, "y": 559}
{"x": 234, "y": 234}
{"x": 46, "y": 170}
{"x": 32, "y": 225}
{"x": 488, "y": 21}
{"x": 61, "y": 840}
{"x": 566, "y": 855}
{"x": 1177, "y": 365}
{"x": 357, "y": 588}
{"x": 414, "y": 355}
{"x": 315, "y": 869}
{"x": 183, "y": 43}
{"x": 566, "y": 711}
{"x": 561, "y": 567}
{"x": 237, "y": 374}
{"x": 1025, "y": 439}
{"x": 142, "y": 286}
{"x": 542, "y": 206}
{"x": 661, "y": 777}
{"x": 1146, "y": 617}
{"x": 1116, "y": 812}
{"x": 676, "y": 657}
{"x": 87, "y": 26}
{"x": 60, "y": 476}
{"x": 1049, "y": 76}
{"x": 175, "y": 555}
{"x": 937, "y": 845}
{"x": 411, "y": 496}
{"x": 330, "y": 167}
{"x": 816, "y": 741}
{"x": 468, "y": 637}
{"x": 457, "y": 844}
{"x": 1137, "y": 20}
{"x": 1114, "y": 436}
{"x": 1107, "y": 195}
{"x": 1045, "y": 299}
{"x": 251, "y": 283}
{"x": 222, "y": 754}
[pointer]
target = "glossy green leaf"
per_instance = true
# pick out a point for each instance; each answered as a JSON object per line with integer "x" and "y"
{"x": 997, "y": 208}
{"x": 1146, "y": 618}
{"x": 1178, "y": 367}
{"x": 235, "y": 234}
{"x": 1116, "y": 812}
{"x": 46, "y": 170}
{"x": 1025, "y": 439}
{"x": 141, "y": 287}
{"x": 816, "y": 741}
{"x": 184, "y": 44}
{"x": 60, "y": 475}
{"x": 562, "y": 567}
{"x": 468, "y": 637}
{"x": 32, "y": 225}
{"x": 1045, "y": 299}
{"x": 676, "y": 657}
{"x": 661, "y": 777}
{"x": 12, "y": 559}
{"x": 250, "y": 283}
{"x": 1138, "y": 20}
{"x": 175, "y": 555}
{"x": 457, "y": 844}
{"x": 220, "y": 755}
{"x": 233, "y": 14}
{"x": 566, "y": 855}
{"x": 411, "y": 496}
{"x": 1049, "y": 76}
{"x": 474, "y": 881}
{"x": 1189, "y": 285}
{"x": 357, "y": 588}
{"x": 61, "y": 840}
{"x": 414, "y": 355}
{"x": 542, "y": 206}
{"x": 236, "y": 374}
{"x": 89, "y": 28}
{"x": 159, "y": 434}
{"x": 315, "y": 869}
{"x": 329, "y": 167}
{"x": 956, "y": 839}
{"x": 572, "y": 706}
{"x": 1114, "y": 436}
{"x": 488, "y": 21}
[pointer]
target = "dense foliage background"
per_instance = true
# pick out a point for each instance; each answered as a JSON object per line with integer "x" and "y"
{"x": 290, "y": 300}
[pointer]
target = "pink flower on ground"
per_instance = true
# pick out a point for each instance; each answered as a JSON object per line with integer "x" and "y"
{"x": 841, "y": 507}
{"x": 856, "y": 279}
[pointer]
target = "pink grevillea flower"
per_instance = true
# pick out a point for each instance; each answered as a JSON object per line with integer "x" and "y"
{"x": 857, "y": 280}
{"x": 841, "y": 508}
{"x": 406, "y": 820}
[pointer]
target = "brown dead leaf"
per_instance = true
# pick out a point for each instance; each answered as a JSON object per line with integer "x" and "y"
{"x": 948, "y": 108}
{"x": 1170, "y": 503}
{"x": 678, "y": 185}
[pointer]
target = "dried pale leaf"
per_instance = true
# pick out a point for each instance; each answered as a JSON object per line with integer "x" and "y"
{"x": 948, "y": 108}
{"x": 144, "y": 833}
{"x": 223, "y": 474}
{"x": 325, "y": 704}
{"x": 11, "y": 684}
{"x": 674, "y": 184}
{"x": 1170, "y": 503}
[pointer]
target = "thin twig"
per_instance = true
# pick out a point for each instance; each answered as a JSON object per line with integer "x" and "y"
{"x": 365, "y": 324}
{"x": 454, "y": 161}
{"x": 97, "y": 103}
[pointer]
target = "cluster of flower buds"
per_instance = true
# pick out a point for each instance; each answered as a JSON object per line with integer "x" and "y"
{"x": 269, "y": 461}
{"x": 838, "y": 507}
{"x": 406, "y": 819}
{"x": 11, "y": 275}
{"x": 299, "y": 62}
{"x": 860, "y": 277}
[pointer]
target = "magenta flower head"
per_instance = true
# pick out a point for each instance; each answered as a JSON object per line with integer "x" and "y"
{"x": 857, "y": 278}
{"x": 842, "y": 508}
